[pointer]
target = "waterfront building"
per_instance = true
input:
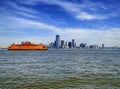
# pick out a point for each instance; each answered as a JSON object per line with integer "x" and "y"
{"x": 70, "y": 44}
{"x": 62, "y": 44}
{"x": 54, "y": 44}
{"x": 51, "y": 45}
{"x": 73, "y": 43}
{"x": 103, "y": 45}
{"x": 66, "y": 45}
{"x": 83, "y": 45}
{"x": 94, "y": 46}
{"x": 57, "y": 41}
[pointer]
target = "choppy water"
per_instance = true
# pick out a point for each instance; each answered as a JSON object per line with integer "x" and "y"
{"x": 60, "y": 69}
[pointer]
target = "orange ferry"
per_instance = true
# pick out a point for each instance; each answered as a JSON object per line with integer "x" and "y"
{"x": 27, "y": 46}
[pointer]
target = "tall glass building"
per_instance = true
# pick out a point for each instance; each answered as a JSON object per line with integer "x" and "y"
{"x": 73, "y": 43}
{"x": 62, "y": 44}
{"x": 57, "y": 41}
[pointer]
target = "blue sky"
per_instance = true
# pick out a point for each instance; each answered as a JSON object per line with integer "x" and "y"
{"x": 38, "y": 21}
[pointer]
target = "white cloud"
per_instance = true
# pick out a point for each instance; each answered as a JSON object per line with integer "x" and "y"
{"x": 22, "y": 24}
{"x": 9, "y": 31}
{"x": 21, "y": 8}
{"x": 84, "y": 15}
{"x": 87, "y": 10}
{"x": 34, "y": 24}
{"x": 13, "y": 9}
{"x": 78, "y": 10}
{"x": 25, "y": 14}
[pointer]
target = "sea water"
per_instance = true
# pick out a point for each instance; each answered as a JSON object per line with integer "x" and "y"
{"x": 60, "y": 69}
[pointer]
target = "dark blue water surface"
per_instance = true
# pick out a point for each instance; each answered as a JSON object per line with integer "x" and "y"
{"x": 60, "y": 69}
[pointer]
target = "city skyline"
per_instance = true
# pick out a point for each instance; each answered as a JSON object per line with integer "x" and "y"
{"x": 58, "y": 43}
{"x": 38, "y": 21}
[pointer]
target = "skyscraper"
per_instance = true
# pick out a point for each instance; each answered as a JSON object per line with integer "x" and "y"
{"x": 102, "y": 45}
{"x": 62, "y": 44}
{"x": 57, "y": 41}
{"x": 66, "y": 45}
{"x": 73, "y": 43}
{"x": 70, "y": 44}
{"x": 55, "y": 44}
